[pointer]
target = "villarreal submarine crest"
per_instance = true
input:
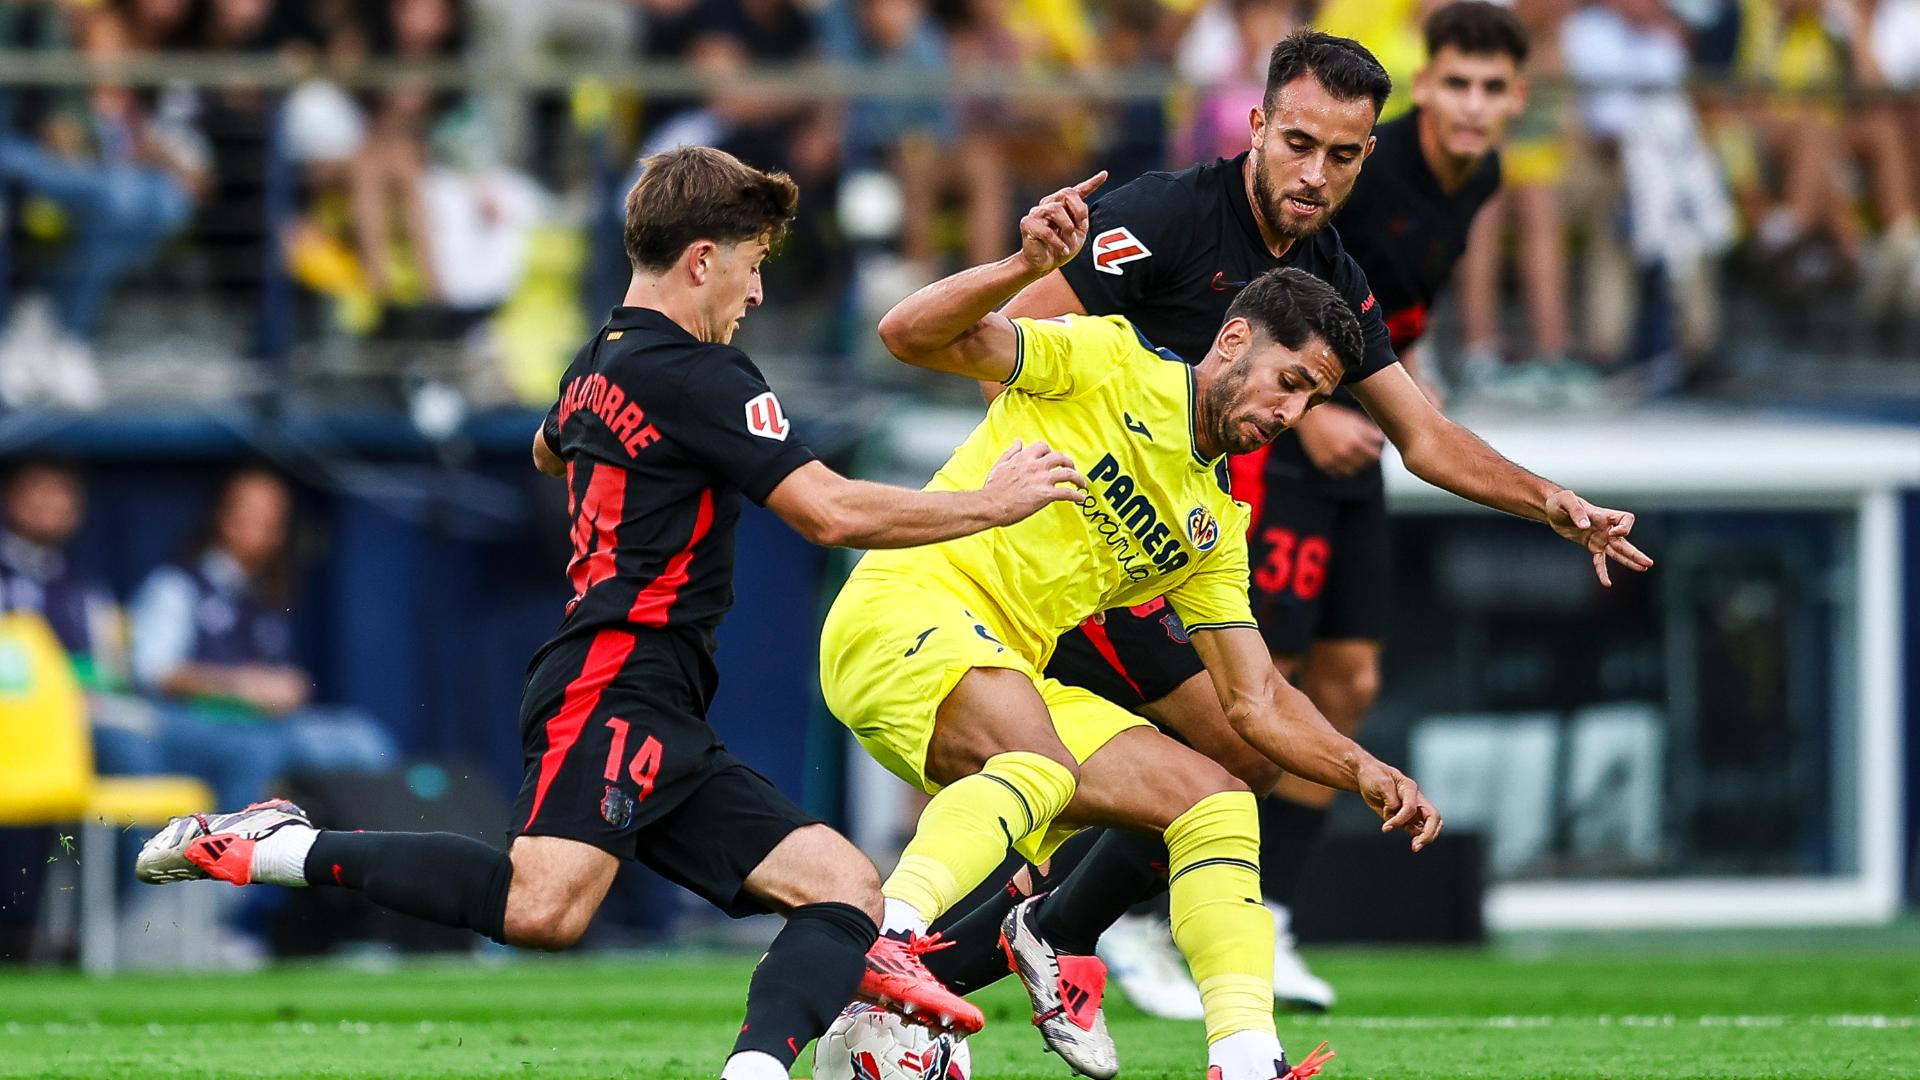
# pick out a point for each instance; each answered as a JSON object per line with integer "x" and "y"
{"x": 1202, "y": 528}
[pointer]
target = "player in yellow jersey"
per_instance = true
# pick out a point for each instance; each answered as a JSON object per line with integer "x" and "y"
{"x": 934, "y": 658}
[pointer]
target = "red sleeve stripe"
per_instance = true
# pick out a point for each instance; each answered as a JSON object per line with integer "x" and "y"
{"x": 651, "y": 606}
{"x": 605, "y": 657}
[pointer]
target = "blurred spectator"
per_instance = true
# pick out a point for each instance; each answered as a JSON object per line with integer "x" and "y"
{"x": 1809, "y": 231}
{"x": 232, "y": 229}
{"x": 1390, "y": 29}
{"x": 121, "y": 182}
{"x": 212, "y": 641}
{"x": 1224, "y": 56}
{"x": 1649, "y": 169}
{"x": 45, "y": 504}
{"x": 1530, "y": 209}
{"x": 912, "y": 141}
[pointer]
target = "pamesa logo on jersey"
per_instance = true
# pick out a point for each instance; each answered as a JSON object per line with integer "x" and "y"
{"x": 1126, "y": 521}
{"x": 1202, "y": 529}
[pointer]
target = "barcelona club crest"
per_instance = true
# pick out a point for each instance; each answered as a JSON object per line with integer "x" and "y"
{"x": 616, "y": 807}
{"x": 1202, "y": 528}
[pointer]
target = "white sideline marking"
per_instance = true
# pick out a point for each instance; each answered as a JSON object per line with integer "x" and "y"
{"x": 1381, "y": 1023}
{"x": 1428, "y": 1023}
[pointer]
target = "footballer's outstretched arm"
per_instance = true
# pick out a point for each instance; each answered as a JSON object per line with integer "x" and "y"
{"x": 951, "y": 325}
{"x": 1280, "y": 722}
{"x": 1449, "y": 456}
{"x": 834, "y": 511}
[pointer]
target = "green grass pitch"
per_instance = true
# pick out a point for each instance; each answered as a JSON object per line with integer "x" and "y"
{"x": 1786, "y": 1005}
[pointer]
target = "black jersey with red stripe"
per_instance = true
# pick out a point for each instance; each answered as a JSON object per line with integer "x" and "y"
{"x": 1407, "y": 233}
{"x": 661, "y": 434}
{"x": 1170, "y": 251}
{"x": 1405, "y": 230}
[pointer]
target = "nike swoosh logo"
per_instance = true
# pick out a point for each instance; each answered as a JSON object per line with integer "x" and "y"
{"x": 1136, "y": 426}
{"x": 919, "y": 641}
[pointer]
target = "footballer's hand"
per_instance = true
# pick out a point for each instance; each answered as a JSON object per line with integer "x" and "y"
{"x": 1400, "y": 803}
{"x": 1601, "y": 531}
{"x": 1028, "y": 477}
{"x": 1339, "y": 442}
{"x": 1055, "y": 229}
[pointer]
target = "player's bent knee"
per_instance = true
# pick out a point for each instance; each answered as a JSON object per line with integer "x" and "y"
{"x": 545, "y": 921}
{"x": 816, "y": 865}
{"x": 557, "y": 886}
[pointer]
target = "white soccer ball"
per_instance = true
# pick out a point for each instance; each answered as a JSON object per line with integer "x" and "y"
{"x": 869, "y": 1043}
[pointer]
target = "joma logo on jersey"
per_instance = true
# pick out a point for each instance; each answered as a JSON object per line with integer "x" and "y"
{"x": 1130, "y": 525}
{"x": 1116, "y": 248}
{"x": 604, "y": 399}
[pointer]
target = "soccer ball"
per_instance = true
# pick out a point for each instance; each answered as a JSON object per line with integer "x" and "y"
{"x": 869, "y": 1043}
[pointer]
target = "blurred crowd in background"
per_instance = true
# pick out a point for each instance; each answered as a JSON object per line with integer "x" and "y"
{"x": 1701, "y": 196}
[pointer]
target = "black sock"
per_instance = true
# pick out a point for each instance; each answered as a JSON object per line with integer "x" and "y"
{"x": 1288, "y": 834}
{"x": 1123, "y": 869}
{"x": 441, "y": 877}
{"x": 975, "y": 960}
{"x": 808, "y": 975}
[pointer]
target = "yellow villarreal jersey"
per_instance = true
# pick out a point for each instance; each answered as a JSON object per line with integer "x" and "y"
{"x": 1159, "y": 522}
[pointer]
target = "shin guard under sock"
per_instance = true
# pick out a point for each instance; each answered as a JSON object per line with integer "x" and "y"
{"x": 441, "y": 877}
{"x": 966, "y": 830}
{"x": 1219, "y": 923}
{"x": 809, "y": 974}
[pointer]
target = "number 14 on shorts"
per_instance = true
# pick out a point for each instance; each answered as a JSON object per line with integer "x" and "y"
{"x": 645, "y": 766}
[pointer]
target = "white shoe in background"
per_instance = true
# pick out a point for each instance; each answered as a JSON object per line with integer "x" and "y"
{"x": 71, "y": 377}
{"x": 1141, "y": 958}
{"x": 1293, "y": 985}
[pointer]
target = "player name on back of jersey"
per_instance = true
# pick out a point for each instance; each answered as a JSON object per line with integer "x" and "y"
{"x": 603, "y": 398}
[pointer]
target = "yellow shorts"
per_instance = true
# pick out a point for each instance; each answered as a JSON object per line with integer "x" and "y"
{"x": 895, "y": 645}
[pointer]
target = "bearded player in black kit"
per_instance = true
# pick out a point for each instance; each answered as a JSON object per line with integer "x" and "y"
{"x": 1169, "y": 251}
{"x": 661, "y": 427}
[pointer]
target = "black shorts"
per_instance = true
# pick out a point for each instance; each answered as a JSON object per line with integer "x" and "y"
{"x": 1136, "y": 656}
{"x": 1319, "y": 565}
{"x": 619, "y": 755}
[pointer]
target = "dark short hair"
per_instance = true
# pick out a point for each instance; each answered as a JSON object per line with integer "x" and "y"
{"x": 1477, "y": 28}
{"x": 699, "y": 193}
{"x": 1342, "y": 65}
{"x": 1292, "y": 307}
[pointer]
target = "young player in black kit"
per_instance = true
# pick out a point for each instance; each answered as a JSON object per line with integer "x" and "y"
{"x": 1168, "y": 251}
{"x": 661, "y": 427}
{"x": 1319, "y": 542}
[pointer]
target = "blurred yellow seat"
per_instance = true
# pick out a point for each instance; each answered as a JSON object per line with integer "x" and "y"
{"x": 47, "y": 774}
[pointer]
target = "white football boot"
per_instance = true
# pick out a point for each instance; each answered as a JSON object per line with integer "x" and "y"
{"x": 214, "y": 845}
{"x": 1293, "y": 985}
{"x": 1066, "y": 991}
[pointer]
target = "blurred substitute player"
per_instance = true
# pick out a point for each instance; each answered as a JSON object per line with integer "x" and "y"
{"x": 1170, "y": 251}
{"x": 933, "y": 657}
{"x": 660, "y": 429}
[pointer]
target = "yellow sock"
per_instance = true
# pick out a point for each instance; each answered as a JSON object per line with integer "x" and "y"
{"x": 966, "y": 830}
{"x": 1226, "y": 934}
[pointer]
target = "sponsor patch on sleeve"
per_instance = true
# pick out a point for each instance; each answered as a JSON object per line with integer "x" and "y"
{"x": 765, "y": 419}
{"x": 1115, "y": 248}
